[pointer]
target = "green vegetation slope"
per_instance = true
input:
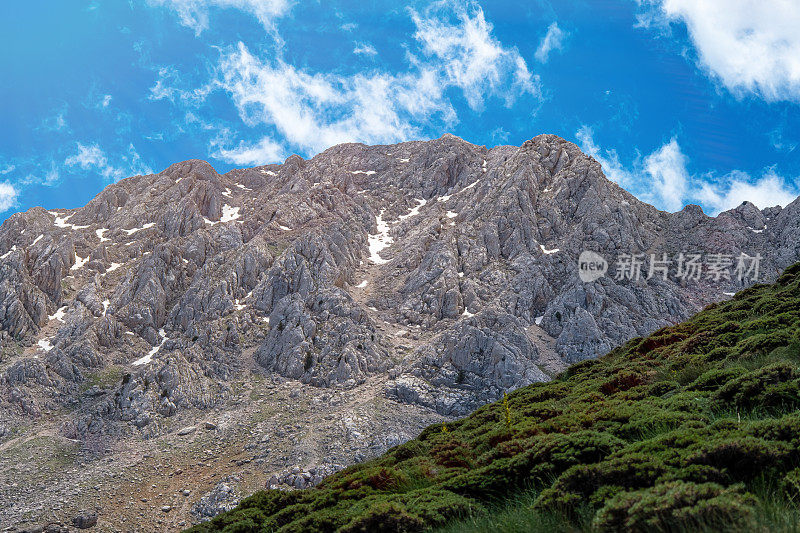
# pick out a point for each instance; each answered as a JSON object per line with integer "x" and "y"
{"x": 695, "y": 427}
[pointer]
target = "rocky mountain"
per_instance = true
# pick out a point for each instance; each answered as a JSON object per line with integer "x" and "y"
{"x": 296, "y": 318}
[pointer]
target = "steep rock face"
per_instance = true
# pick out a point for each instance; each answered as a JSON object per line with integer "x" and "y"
{"x": 444, "y": 270}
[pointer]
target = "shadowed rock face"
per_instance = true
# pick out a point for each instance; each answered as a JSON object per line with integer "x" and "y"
{"x": 445, "y": 270}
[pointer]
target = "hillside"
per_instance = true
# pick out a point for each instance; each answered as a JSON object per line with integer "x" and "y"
{"x": 273, "y": 325}
{"x": 695, "y": 427}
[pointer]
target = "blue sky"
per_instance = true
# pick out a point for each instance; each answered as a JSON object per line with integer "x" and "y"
{"x": 681, "y": 101}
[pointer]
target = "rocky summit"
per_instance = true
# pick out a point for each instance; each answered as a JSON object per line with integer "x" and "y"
{"x": 188, "y": 338}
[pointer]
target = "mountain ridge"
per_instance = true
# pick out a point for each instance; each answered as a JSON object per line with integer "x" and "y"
{"x": 434, "y": 276}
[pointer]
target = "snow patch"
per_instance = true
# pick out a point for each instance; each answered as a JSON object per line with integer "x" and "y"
{"x": 471, "y": 185}
{"x": 451, "y": 214}
{"x": 539, "y": 320}
{"x": 79, "y": 262}
{"x": 14, "y": 247}
{"x": 45, "y": 345}
{"x": 284, "y": 228}
{"x": 367, "y": 172}
{"x": 467, "y": 314}
{"x": 149, "y": 357}
{"x": 227, "y": 193}
{"x": 37, "y": 239}
{"x": 362, "y": 284}
{"x": 99, "y": 234}
{"x": 379, "y": 241}
{"x": 59, "y": 314}
{"x": 403, "y": 160}
{"x": 134, "y": 230}
{"x": 61, "y": 222}
{"x": 229, "y": 213}
{"x": 548, "y": 252}
{"x": 414, "y": 210}
{"x": 113, "y": 267}
{"x": 268, "y": 172}
{"x": 106, "y": 303}
{"x": 729, "y": 293}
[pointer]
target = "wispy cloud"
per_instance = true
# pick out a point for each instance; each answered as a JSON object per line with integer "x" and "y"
{"x": 365, "y": 49}
{"x": 194, "y": 14}
{"x": 768, "y": 191}
{"x": 91, "y": 157}
{"x": 456, "y": 37}
{"x": 8, "y": 196}
{"x": 453, "y": 47}
{"x": 750, "y": 47}
{"x": 553, "y": 40}
{"x": 264, "y": 151}
{"x": 663, "y": 179}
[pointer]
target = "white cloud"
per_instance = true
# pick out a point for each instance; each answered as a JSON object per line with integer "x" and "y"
{"x": 91, "y": 157}
{"x": 769, "y": 191}
{"x": 365, "y": 49}
{"x": 8, "y": 169}
{"x": 662, "y": 179}
{"x": 666, "y": 168}
{"x": 313, "y": 111}
{"x": 8, "y": 196}
{"x": 553, "y": 40}
{"x": 195, "y": 13}
{"x": 105, "y": 101}
{"x": 750, "y": 46}
{"x": 264, "y": 151}
{"x": 456, "y": 36}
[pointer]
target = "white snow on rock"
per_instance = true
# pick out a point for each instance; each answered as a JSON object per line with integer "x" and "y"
{"x": 99, "y": 234}
{"x": 284, "y": 228}
{"x": 113, "y": 267}
{"x": 483, "y": 167}
{"x": 59, "y": 314}
{"x": 14, "y": 247}
{"x": 467, "y": 314}
{"x": 729, "y": 293}
{"x": 37, "y": 239}
{"x": 451, "y": 214}
{"x": 444, "y": 198}
{"x": 379, "y": 241}
{"x": 414, "y": 210}
{"x": 134, "y": 230}
{"x": 539, "y": 320}
{"x": 79, "y": 262}
{"x": 45, "y": 345}
{"x": 362, "y": 284}
{"x": 471, "y": 185}
{"x": 268, "y": 172}
{"x": 460, "y": 274}
{"x": 367, "y": 172}
{"x": 404, "y": 160}
{"x": 149, "y": 357}
{"x": 548, "y": 252}
{"x": 229, "y": 213}
{"x": 227, "y": 192}
{"x": 106, "y": 303}
{"x": 61, "y": 222}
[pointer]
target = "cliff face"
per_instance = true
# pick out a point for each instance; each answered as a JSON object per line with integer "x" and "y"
{"x": 429, "y": 276}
